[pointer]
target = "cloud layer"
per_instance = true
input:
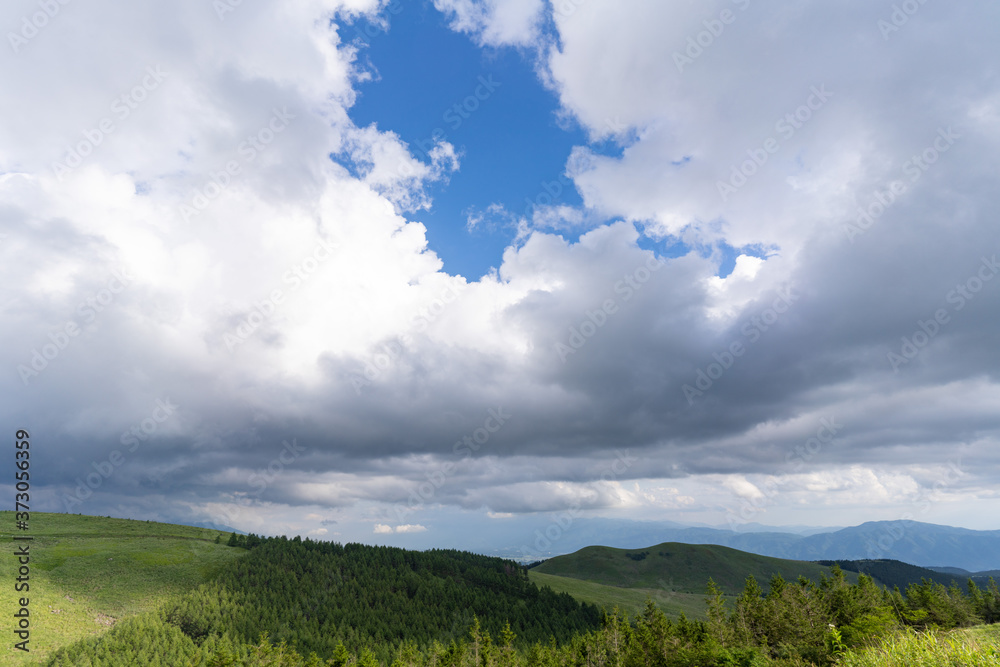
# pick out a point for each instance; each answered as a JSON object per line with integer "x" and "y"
{"x": 195, "y": 278}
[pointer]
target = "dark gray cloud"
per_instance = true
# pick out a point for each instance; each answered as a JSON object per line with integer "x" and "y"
{"x": 368, "y": 382}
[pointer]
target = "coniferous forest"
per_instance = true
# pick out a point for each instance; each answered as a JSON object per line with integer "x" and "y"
{"x": 306, "y": 603}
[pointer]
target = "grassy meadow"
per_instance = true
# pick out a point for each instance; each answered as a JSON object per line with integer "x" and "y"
{"x": 630, "y": 600}
{"x": 972, "y": 647}
{"x": 684, "y": 568}
{"x": 89, "y": 572}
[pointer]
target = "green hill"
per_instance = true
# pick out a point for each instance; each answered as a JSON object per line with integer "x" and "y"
{"x": 682, "y": 568}
{"x": 89, "y": 572}
{"x": 140, "y": 593}
{"x": 103, "y": 587}
{"x": 630, "y": 600}
{"x": 893, "y": 573}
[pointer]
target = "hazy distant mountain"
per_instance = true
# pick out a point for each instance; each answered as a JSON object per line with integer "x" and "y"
{"x": 959, "y": 572}
{"x": 923, "y": 544}
{"x": 795, "y": 530}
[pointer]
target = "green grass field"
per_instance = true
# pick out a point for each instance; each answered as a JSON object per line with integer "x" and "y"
{"x": 684, "y": 568}
{"x": 88, "y": 572}
{"x": 629, "y": 600}
{"x": 975, "y": 647}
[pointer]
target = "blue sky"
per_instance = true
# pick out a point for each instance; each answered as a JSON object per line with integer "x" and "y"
{"x": 511, "y": 143}
{"x": 514, "y": 143}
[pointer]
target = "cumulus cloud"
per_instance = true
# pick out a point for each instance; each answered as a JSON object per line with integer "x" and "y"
{"x": 495, "y": 22}
{"x": 410, "y": 528}
{"x": 237, "y": 247}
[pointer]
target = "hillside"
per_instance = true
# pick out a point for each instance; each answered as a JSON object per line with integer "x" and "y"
{"x": 922, "y": 544}
{"x": 630, "y": 600}
{"x": 683, "y": 568}
{"x": 157, "y": 595}
{"x": 893, "y": 573}
{"x": 88, "y": 572}
{"x": 319, "y": 596}
{"x": 961, "y": 574}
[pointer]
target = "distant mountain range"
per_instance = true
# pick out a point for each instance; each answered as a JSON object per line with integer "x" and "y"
{"x": 923, "y": 544}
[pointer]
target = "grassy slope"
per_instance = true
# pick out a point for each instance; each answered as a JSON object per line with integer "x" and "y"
{"x": 683, "y": 568}
{"x": 974, "y": 647}
{"x": 88, "y": 571}
{"x": 630, "y": 600}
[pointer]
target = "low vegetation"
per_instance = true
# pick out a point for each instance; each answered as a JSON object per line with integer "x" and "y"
{"x": 677, "y": 567}
{"x": 88, "y": 572}
{"x": 629, "y": 600}
{"x": 299, "y": 603}
{"x": 974, "y": 648}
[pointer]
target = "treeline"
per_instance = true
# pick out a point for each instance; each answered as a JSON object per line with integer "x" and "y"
{"x": 318, "y": 596}
{"x": 803, "y": 623}
{"x": 331, "y": 605}
{"x": 313, "y": 594}
{"x": 894, "y": 573}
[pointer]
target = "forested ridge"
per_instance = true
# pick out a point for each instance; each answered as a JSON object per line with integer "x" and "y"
{"x": 318, "y": 595}
{"x": 301, "y": 603}
{"x": 893, "y": 573}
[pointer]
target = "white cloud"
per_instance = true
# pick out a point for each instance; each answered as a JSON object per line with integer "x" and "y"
{"x": 411, "y": 528}
{"x": 495, "y": 22}
{"x": 444, "y": 348}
